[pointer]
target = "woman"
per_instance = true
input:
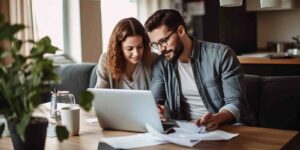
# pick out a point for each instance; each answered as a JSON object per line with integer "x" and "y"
{"x": 127, "y": 64}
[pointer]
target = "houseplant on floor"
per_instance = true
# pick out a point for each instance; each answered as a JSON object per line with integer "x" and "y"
{"x": 23, "y": 81}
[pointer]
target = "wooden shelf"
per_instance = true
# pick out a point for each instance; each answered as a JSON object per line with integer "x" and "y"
{"x": 268, "y": 61}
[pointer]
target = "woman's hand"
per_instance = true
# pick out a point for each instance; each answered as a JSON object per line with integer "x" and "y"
{"x": 161, "y": 111}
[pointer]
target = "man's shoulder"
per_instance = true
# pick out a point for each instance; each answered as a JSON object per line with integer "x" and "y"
{"x": 213, "y": 49}
{"x": 210, "y": 51}
{"x": 212, "y": 46}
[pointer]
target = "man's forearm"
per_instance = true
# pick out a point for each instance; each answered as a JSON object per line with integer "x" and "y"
{"x": 224, "y": 116}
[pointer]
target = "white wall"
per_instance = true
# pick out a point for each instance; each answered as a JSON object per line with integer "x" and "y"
{"x": 278, "y": 25}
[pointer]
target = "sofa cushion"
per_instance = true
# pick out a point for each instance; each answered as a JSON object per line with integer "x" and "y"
{"x": 74, "y": 78}
{"x": 93, "y": 78}
{"x": 280, "y": 105}
{"x": 253, "y": 84}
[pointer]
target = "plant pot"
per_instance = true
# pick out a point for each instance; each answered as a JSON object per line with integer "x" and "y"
{"x": 35, "y": 134}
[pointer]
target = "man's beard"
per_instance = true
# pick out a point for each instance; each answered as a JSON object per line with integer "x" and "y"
{"x": 177, "y": 52}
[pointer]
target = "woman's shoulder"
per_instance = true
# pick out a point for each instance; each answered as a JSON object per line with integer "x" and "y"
{"x": 103, "y": 55}
{"x": 101, "y": 63}
{"x": 102, "y": 58}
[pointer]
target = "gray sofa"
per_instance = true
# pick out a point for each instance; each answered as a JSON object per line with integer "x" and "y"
{"x": 275, "y": 101}
{"x": 76, "y": 78}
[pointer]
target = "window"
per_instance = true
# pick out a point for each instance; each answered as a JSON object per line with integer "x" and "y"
{"x": 61, "y": 21}
{"x": 113, "y": 11}
{"x": 48, "y": 20}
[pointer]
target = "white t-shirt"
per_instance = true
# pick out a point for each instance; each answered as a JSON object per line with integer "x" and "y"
{"x": 192, "y": 104}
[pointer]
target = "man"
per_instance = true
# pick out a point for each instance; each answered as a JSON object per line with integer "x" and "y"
{"x": 201, "y": 81}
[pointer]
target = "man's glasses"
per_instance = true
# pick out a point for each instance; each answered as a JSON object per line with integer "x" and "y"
{"x": 162, "y": 43}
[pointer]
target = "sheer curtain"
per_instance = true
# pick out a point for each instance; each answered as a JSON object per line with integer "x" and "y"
{"x": 21, "y": 12}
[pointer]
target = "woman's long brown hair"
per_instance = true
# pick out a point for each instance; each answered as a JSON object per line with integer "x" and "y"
{"x": 115, "y": 61}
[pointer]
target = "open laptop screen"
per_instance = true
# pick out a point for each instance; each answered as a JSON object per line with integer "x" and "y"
{"x": 127, "y": 110}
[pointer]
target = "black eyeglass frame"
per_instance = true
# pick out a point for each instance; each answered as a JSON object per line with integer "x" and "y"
{"x": 163, "y": 42}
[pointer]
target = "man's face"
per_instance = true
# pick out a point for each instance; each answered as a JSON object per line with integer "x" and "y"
{"x": 167, "y": 42}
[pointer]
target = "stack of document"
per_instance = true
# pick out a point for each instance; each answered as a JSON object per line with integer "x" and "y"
{"x": 187, "y": 134}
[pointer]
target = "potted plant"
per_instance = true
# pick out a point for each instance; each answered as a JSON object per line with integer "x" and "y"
{"x": 23, "y": 81}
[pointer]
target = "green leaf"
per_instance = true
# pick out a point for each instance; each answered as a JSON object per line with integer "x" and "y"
{"x": 4, "y": 53}
{"x": 61, "y": 132}
{"x": 21, "y": 126}
{"x": 42, "y": 46}
{"x": 1, "y": 18}
{"x": 5, "y": 92}
{"x": 2, "y": 126}
{"x": 2, "y": 70}
{"x": 85, "y": 100}
{"x": 8, "y": 31}
{"x": 45, "y": 42}
{"x": 17, "y": 44}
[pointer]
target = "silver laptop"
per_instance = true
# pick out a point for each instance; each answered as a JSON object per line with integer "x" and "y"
{"x": 127, "y": 110}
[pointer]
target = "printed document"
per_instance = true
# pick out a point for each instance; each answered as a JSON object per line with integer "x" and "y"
{"x": 187, "y": 134}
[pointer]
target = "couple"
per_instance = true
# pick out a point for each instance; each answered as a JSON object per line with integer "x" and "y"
{"x": 198, "y": 80}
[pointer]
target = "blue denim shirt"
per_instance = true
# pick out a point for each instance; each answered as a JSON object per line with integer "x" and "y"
{"x": 218, "y": 76}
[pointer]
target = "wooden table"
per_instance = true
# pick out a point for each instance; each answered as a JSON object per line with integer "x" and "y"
{"x": 249, "y": 138}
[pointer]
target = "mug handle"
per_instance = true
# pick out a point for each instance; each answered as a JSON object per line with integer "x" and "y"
{"x": 72, "y": 98}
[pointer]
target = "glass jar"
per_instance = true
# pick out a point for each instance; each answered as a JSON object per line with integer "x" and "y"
{"x": 60, "y": 99}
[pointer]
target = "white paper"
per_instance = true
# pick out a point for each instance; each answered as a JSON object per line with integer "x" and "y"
{"x": 189, "y": 138}
{"x": 207, "y": 136}
{"x": 171, "y": 139}
{"x": 182, "y": 136}
{"x": 134, "y": 141}
{"x": 189, "y": 127}
{"x": 92, "y": 120}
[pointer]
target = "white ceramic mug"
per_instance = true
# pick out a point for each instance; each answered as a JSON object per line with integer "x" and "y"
{"x": 231, "y": 3}
{"x": 70, "y": 118}
{"x": 270, "y": 3}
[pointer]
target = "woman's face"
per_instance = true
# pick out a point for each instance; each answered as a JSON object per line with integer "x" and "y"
{"x": 133, "y": 49}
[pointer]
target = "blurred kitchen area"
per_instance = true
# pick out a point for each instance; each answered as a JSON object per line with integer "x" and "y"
{"x": 247, "y": 28}
{"x": 266, "y": 40}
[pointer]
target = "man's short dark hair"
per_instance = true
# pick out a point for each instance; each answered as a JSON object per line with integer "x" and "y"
{"x": 169, "y": 17}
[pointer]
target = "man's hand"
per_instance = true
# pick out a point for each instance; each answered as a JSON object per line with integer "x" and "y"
{"x": 209, "y": 120}
{"x": 161, "y": 111}
{"x": 213, "y": 121}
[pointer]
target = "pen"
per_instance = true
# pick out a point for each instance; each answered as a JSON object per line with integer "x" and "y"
{"x": 202, "y": 130}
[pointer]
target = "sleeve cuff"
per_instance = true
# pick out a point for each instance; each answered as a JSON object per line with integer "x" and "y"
{"x": 233, "y": 110}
